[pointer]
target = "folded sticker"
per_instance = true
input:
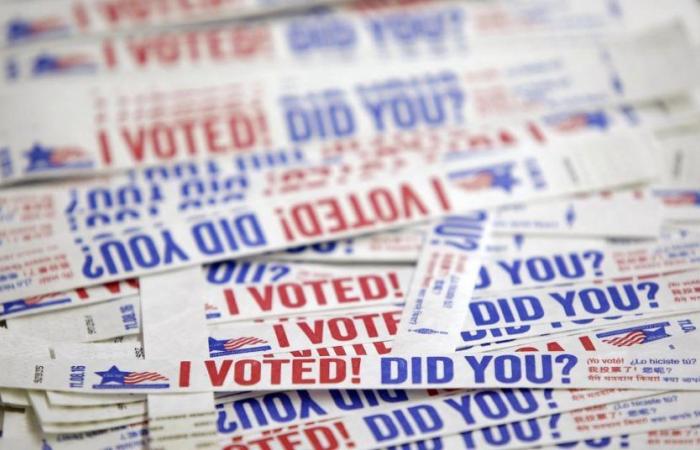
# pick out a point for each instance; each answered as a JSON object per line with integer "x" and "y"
{"x": 442, "y": 283}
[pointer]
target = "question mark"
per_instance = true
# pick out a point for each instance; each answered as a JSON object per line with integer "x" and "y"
{"x": 280, "y": 271}
{"x": 457, "y": 96}
{"x": 597, "y": 260}
{"x": 548, "y": 395}
{"x": 569, "y": 363}
{"x": 553, "y": 423}
{"x": 651, "y": 294}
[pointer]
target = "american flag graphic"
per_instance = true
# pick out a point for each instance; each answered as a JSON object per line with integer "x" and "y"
{"x": 20, "y": 29}
{"x": 46, "y": 63}
{"x": 497, "y": 176}
{"x": 45, "y": 24}
{"x": 66, "y": 155}
{"x": 235, "y": 344}
{"x": 141, "y": 377}
{"x": 481, "y": 180}
{"x": 642, "y": 334}
{"x": 577, "y": 121}
{"x": 42, "y": 158}
{"x": 627, "y": 340}
{"x": 573, "y": 122}
{"x": 679, "y": 198}
{"x": 113, "y": 378}
{"x": 37, "y": 299}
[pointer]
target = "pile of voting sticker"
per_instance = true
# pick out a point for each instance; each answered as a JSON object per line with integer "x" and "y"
{"x": 372, "y": 224}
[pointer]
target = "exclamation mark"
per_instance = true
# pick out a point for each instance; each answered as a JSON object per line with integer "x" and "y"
{"x": 394, "y": 282}
{"x": 344, "y": 433}
{"x": 549, "y": 396}
{"x": 349, "y": 246}
{"x": 184, "y": 377}
{"x": 359, "y": 349}
{"x": 285, "y": 226}
{"x": 355, "y": 362}
{"x": 624, "y": 441}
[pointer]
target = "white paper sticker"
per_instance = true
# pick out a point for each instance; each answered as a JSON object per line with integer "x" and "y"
{"x": 174, "y": 326}
{"x": 312, "y": 110}
{"x": 291, "y": 220}
{"x": 443, "y": 280}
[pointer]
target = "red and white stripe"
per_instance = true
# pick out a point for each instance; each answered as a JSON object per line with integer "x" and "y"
{"x": 680, "y": 199}
{"x": 38, "y": 299}
{"x": 480, "y": 180}
{"x": 233, "y": 344}
{"x": 573, "y": 123}
{"x": 631, "y": 338}
{"x": 139, "y": 377}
